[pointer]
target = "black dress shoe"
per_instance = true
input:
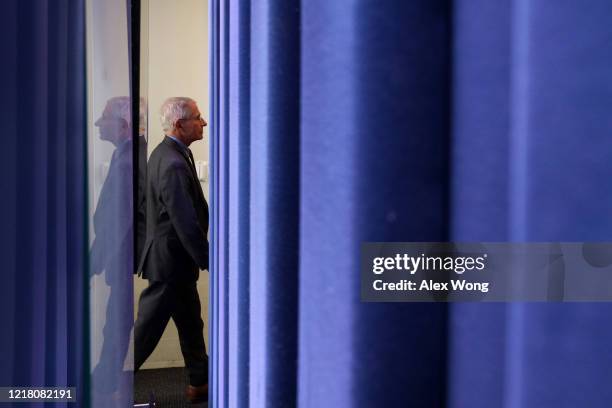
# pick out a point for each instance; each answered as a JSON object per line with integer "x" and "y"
{"x": 197, "y": 394}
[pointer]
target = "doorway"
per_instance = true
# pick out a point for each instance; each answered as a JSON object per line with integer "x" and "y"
{"x": 173, "y": 62}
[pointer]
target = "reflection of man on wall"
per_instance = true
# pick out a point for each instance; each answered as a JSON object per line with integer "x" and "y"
{"x": 176, "y": 247}
{"x": 112, "y": 249}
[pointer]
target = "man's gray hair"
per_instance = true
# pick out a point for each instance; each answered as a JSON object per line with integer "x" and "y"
{"x": 121, "y": 107}
{"x": 174, "y": 109}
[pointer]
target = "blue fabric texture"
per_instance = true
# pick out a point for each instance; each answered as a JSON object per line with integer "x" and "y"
{"x": 44, "y": 241}
{"x": 429, "y": 120}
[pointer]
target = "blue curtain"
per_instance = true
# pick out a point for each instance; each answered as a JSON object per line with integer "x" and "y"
{"x": 251, "y": 356}
{"x": 341, "y": 122}
{"x": 531, "y": 147}
{"x": 43, "y": 294}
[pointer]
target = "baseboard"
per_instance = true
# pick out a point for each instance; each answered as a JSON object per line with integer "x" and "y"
{"x": 162, "y": 364}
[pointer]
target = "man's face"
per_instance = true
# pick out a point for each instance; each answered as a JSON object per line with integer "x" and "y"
{"x": 112, "y": 129}
{"x": 192, "y": 128}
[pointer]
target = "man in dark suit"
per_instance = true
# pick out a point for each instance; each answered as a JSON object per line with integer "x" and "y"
{"x": 112, "y": 252}
{"x": 176, "y": 248}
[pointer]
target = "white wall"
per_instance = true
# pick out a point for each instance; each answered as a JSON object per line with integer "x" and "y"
{"x": 178, "y": 61}
{"x": 177, "y": 66}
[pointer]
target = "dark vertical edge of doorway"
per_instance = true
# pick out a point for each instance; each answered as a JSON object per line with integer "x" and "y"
{"x": 134, "y": 56}
{"x": 134, "y": 60}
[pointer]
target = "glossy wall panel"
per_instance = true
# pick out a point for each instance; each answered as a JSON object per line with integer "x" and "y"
{"x": 111, "y": 198}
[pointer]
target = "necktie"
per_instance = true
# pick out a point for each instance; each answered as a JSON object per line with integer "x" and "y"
{"x": 192, "y": 162}
{"x": 195, "y": 173}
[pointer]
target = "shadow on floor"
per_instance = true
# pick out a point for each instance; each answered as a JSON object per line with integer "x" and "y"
{"x": 166, "y": 385}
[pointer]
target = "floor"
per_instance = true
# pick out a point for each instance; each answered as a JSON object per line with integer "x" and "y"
{"x": 165, "y": 386}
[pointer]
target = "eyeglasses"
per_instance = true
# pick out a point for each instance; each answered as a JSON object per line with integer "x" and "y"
{"x": 108, "y": 120}
{"x": 198, "y": 118}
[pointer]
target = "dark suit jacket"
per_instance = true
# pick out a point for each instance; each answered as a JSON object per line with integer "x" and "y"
{"x": 112, "y": 249}
{"x": 177, "y": 217}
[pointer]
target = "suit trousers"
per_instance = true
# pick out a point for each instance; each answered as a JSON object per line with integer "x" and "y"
{"x": 108, "y": 374}
{"x": 161, "y": 301}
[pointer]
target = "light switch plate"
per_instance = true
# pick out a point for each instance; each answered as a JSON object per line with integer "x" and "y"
{"x": 202, "y": 170}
